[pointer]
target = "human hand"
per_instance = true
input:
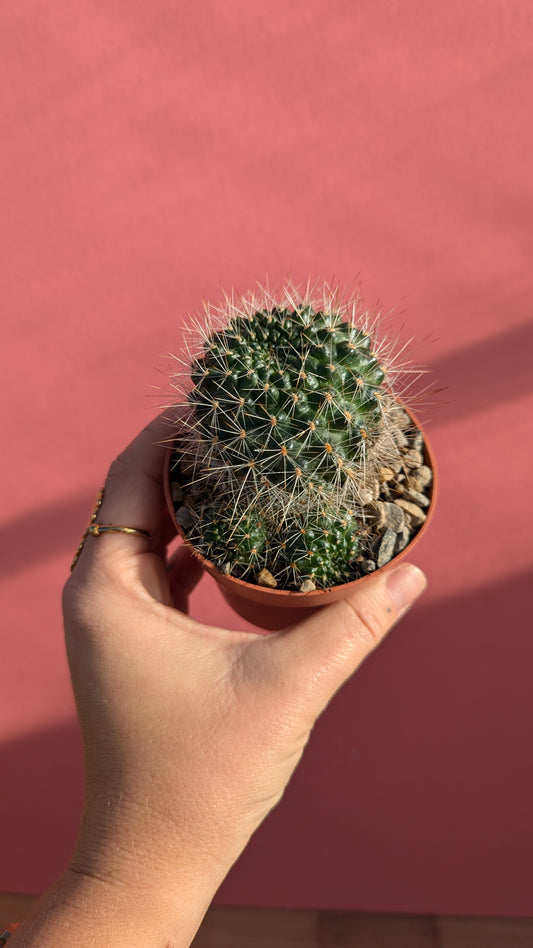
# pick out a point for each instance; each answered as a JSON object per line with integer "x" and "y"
{"x": 191, "y": 732}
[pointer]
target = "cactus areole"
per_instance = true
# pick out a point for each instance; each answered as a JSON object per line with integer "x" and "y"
{"x": 290, "y": 433}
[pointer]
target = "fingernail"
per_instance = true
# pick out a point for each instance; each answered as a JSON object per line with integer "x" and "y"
{"x": 404, "y": 584}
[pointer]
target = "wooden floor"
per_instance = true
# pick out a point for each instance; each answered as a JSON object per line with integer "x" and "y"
{"x": 225, "y": 927}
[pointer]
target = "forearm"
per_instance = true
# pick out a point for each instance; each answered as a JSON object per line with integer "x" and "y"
{"x": 80, "y": 911}
{"x": 130, "y": 884}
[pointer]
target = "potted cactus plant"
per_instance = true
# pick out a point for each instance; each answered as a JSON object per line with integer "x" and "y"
{"x": 296, "y": 469}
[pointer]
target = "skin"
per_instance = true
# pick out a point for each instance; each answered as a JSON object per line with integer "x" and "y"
{"x": 191, "y": 732}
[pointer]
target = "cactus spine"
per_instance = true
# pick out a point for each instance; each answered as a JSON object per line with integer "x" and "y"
{"x": 288, "y": 419}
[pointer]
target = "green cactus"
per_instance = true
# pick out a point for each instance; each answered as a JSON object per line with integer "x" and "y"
{"x": 289, "y": 418}
{"x": 239, "y": 540}
{"x": 322, "y": 547}
{"x": 288, "y": 395}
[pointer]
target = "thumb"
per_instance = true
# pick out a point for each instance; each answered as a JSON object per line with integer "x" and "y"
{"x": 325, "y": 649}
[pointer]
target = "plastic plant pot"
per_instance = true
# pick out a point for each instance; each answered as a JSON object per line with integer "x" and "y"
{"x": 272, "y": 609}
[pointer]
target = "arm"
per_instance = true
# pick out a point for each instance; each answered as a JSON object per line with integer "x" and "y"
{"x": 191, "y": 732}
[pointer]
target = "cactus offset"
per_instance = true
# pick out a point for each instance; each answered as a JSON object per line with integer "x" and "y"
{"x": 238, "y": 539}
{"x": 289, "y": 419}
{"x": 321, "y": 548}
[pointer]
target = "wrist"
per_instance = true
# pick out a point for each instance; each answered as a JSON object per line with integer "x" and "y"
{"x": 81, "y": 910}
{"x": 139, "y": 847}
{"x": 136, "y": 880}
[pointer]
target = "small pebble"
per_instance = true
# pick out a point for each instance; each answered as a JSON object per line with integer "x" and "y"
{"x": 386, "y": 547}
{"x": 366, "y": 496}
{"x": 418, "y": 442}
{"x": 307, "y": 586}
{"x": 367, "y": 566}
{"x": 420, "y": 478}
{"x": 385, "y": 474}
{"x": 388, "y": 516}
{"x": 417, "y": 497}
{"x": 386, "y": 443}
{"x": 413, "y": 458}
{"x": 400, "y": 439}
{"x": 402, "y": 539}
{"x": 416, "y": 515}
{"x": 402, "y": 418}
{"x": 184, "y": 517}
{"x": 265, "y": 578}
{"x": 226, "y": 568}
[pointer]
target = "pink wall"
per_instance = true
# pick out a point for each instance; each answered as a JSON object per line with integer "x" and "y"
{"x": 153, "y": 153}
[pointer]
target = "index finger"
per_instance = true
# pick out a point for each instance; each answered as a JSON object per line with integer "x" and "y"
{"x": 133, "y": 494}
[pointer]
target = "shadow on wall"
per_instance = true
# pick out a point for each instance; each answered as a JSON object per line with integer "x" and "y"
{"x": 40, "y": 806}
{"x": 415, "y": 790}
{"x": 493, "y": 370}
{"x": 61, "y": 523}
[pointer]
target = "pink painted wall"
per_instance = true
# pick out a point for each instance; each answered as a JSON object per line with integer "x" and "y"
{"x": 153, "y": 153}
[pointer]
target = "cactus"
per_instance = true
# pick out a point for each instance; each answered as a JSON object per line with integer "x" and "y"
{"x": 288, "y": 419}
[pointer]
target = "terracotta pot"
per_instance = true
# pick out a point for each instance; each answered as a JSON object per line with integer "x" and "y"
{"x": 277, "y": 608}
